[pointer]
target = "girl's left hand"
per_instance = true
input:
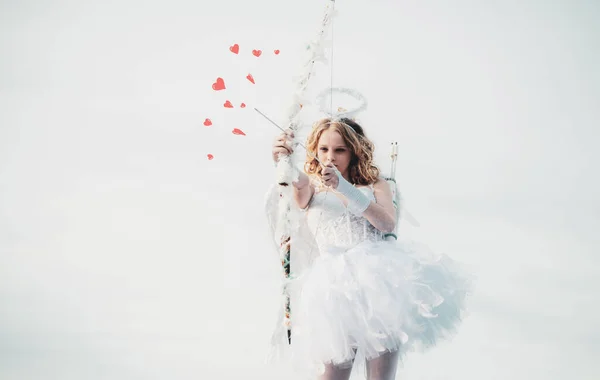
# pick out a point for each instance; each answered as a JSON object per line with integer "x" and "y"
{"x": 329, "y": 176}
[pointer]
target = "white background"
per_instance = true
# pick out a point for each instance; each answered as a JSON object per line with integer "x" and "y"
{"x": 126, "y": 254}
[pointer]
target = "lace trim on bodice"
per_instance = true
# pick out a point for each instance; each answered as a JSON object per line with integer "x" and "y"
{"x": 334, "y": 226}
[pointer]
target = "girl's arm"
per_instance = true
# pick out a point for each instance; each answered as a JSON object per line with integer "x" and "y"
{"x": 303, "y": 191}
{"x": 382, "y": 215}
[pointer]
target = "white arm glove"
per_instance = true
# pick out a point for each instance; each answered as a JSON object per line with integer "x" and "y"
{"x": 358, "y": 202}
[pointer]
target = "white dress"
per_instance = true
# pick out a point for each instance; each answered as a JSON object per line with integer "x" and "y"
{"x": 363, "y": 295}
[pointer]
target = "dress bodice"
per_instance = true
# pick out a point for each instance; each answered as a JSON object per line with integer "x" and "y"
{"x": 334, "y": 226}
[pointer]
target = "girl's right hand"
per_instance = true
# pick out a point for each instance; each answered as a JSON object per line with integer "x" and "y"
{"x": 281, "y": 145}
{"x": 329, "y": 176}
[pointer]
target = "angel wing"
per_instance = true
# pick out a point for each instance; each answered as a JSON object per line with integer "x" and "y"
{"x": 401, "y": 211}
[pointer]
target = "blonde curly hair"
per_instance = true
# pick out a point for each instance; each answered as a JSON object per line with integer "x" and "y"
{"x": 362, "y": 170}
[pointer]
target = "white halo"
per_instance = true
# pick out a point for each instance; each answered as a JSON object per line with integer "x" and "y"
{"x": 325, "y": 96}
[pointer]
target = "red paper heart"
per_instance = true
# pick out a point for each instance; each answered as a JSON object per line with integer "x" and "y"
{"x": 228, "y": 104}
{"x": 207, "y": 122}
{"x": 257, "y": 53}
{"x": 219, "y": 84}
{"x": 276, "y": 51}
{"x": 234, "y": 48}
{"x": 238, "y": 132}
{"x": 250, "y": 78}
{"x": 243, "y": 105}
{"x": 210, "y": 156}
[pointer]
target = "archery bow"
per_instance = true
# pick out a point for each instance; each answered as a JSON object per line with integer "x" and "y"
{"x": 286, "y": 171}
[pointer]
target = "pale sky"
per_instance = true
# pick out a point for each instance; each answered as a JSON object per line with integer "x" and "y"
{"x": 126, "y": 254}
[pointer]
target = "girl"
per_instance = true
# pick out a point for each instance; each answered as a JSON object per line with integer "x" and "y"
{"x": 360, "y": 297}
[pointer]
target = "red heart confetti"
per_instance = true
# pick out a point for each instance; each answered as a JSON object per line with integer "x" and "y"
{"x": 250, "y": 78}
{"x": 276, "y": 51}
{"x": 207, "y": 122}
{"x": 243, "y": 105}
{"x": 234, "y": 48}
{"x": 219, "y": 84}
{"x": 257, "y": 53}
{"x": 238, "y": 132}
{"x": 210, "y": 156}
{"x": 228, "y": 104}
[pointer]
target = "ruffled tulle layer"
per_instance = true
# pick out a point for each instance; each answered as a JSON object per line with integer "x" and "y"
{"x": 373, "y": 298}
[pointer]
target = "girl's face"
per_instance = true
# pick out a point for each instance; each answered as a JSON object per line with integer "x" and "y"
{"x": 332, "y": 148}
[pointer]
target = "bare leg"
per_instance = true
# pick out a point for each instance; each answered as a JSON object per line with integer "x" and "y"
{"x": 333, "y": 372}
{"x": 383, "y": 367}
{"x": 338, "y": 372}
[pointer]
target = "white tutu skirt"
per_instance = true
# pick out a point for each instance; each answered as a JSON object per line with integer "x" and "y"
{"x": 374, "y": 298}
